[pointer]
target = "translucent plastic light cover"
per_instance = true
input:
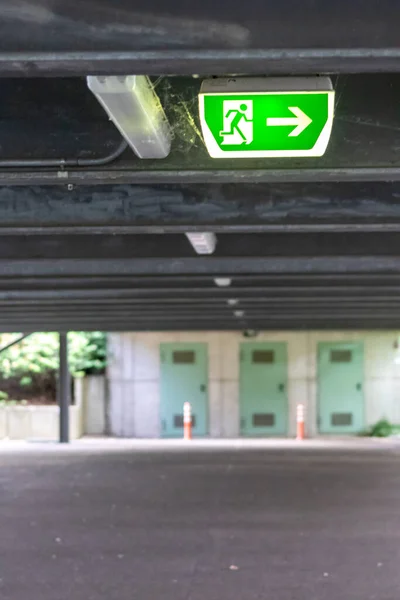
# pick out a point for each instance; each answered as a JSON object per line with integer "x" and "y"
{"x": 135, "y": 109}
{"x": 203, "y": 243}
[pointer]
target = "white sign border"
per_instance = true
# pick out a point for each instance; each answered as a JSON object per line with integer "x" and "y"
{"x": 318, "y": 149}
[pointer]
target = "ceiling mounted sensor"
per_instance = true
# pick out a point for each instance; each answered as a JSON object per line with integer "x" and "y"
{"x": 250, "y": 333}
{"x": 135, "y": 109}
{"x": 222, "y": 281}
{"x": 203, "y": 242}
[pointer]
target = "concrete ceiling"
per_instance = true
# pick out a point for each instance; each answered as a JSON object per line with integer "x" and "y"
{"x": 93, "y": 237}
{"x": 157, "y": 282}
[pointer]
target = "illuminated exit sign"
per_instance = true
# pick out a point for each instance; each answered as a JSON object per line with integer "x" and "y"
{"x": 266, "y": 117}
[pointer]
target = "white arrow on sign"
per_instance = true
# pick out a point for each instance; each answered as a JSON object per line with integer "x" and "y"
{"x": 300, "y": 120}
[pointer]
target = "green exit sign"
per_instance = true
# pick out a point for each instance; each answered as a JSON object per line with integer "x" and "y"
{"x": 266, "y": 117}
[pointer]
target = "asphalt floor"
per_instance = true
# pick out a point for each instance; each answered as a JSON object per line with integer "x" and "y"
{"x": 217, "y": 522}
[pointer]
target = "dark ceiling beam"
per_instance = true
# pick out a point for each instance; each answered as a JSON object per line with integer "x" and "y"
{"x": 154, "y": 323}
{"x": 213, "y": 266}
{"x": 208, "y": 305}
{"x": 370, "y": 313}
{"x": 391, "y": 324}
{"x": 382, "y": 323}
{"x": 204, "y": 176}
{"x": 251, "y": 305}
{"x": 175, "y": 247}
{"x": 218, "y": 62}
{"x": 190, "y": 280}
{"x": 203, "y": 282}
{"x": 200, "y": 315}
{"x": 193, "y": 293}
{"x": 178, "y": 313}
{"x": 223, "y": 225}
{"x": 118, "y": 37}
{"x": 182, "y": 207}
{"x": 205, "y": 313}
{"x": 356, "y": 294}
{"x": 188, "y": 291}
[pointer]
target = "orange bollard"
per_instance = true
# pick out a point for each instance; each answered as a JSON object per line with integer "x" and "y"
{"x": 300, "y": 422}
{"x": 187, "y": 421}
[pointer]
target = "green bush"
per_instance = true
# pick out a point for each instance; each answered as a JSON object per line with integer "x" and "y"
{"x": 382, "y": 428}
{"x": 29, "y": 368}
{"x": 38, "y": 354}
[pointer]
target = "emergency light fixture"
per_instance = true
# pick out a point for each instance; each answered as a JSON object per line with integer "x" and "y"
{"x": 203, "y": 242}
{"x": 135, "y": 109}
{"x": 222, "y": 281}
{"x": 232, "y": 301}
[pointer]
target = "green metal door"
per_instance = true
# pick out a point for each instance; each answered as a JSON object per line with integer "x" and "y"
{"x": 263, "y": 389}
{"x": 184, "y": 378}
{"x": 340, "y": 387}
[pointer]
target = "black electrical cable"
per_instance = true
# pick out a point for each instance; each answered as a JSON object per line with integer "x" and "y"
{"x": 62, "y": 163}
{"x": 103, "y": 160}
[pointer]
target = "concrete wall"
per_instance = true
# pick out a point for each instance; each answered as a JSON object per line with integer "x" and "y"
{"x": 90, "y": 393}
{"x": 87, "y": 415}
{"x": 37, "y": 422}
{"x": 134, "y": 374}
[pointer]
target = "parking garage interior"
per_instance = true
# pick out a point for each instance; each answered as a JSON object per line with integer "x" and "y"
{"x": 245, "y": 285}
